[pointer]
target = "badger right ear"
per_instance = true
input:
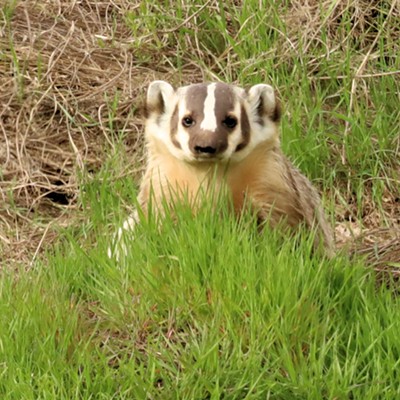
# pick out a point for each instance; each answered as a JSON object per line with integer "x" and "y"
{"x": 159, "y": 94}
{"x": 263, "y": 102}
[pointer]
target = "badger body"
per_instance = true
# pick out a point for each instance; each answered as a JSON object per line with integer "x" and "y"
{"x": 205, "y": 137}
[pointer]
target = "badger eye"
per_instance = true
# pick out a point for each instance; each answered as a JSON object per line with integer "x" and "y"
{"x": 187, "y": 121}
{"x": 230, "y": 122}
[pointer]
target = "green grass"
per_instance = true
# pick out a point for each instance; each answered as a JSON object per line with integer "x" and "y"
{"x": 200, "y": 308}
{"x": 207, "y": 308}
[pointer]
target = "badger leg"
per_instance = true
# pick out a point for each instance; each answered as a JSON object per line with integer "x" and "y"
{"x": 118, "y": 248}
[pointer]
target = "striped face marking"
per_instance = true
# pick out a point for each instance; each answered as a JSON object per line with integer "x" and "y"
{"x": 208, "y": 115}
{"x": 210, "y": 122}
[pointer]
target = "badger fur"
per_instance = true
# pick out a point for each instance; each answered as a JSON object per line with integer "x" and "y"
{"x": 220, "y": 134}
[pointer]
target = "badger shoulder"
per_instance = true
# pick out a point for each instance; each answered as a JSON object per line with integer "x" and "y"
{"x": 279, "y": 192}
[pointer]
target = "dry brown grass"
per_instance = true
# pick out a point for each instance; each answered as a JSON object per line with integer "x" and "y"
{"x": 62, "y": 64}
{"x": 54, "y": 113}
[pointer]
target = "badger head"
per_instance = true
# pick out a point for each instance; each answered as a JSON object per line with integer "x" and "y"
{"x": 210, "y": 121}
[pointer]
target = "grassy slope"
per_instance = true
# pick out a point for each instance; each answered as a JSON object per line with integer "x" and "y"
{"x": 204, "y": 309}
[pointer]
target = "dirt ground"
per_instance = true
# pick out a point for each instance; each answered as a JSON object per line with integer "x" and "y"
{"x": 55, "y": 121}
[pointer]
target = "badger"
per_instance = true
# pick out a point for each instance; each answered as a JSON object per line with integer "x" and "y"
{"x": 209, "y": 136}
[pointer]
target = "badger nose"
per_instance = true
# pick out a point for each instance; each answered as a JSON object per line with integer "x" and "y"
{"x": 204, "y": 144}
{"x": 205, "y": 149}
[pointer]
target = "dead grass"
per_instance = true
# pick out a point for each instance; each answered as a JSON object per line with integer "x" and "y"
{"x": 61, "y": 59}
{"x": 71, "y": 81}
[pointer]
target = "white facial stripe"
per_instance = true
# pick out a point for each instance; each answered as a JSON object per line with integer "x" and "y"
{"x": 182, "y": 134}
{"x": 209, "y": 122}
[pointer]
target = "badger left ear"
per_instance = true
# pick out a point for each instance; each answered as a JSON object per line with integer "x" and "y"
{"x": 159, "y": 96}
{"x": 263, "y": 102}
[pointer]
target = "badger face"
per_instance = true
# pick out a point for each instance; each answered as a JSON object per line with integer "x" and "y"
{"x": 210, "y": 121}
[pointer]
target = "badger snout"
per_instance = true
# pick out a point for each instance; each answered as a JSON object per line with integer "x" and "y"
{"x": 208, "y": 144}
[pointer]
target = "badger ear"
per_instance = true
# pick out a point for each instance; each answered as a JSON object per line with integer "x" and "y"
{"x": 263, "y": 102}
{"x": 159, "y": 96}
